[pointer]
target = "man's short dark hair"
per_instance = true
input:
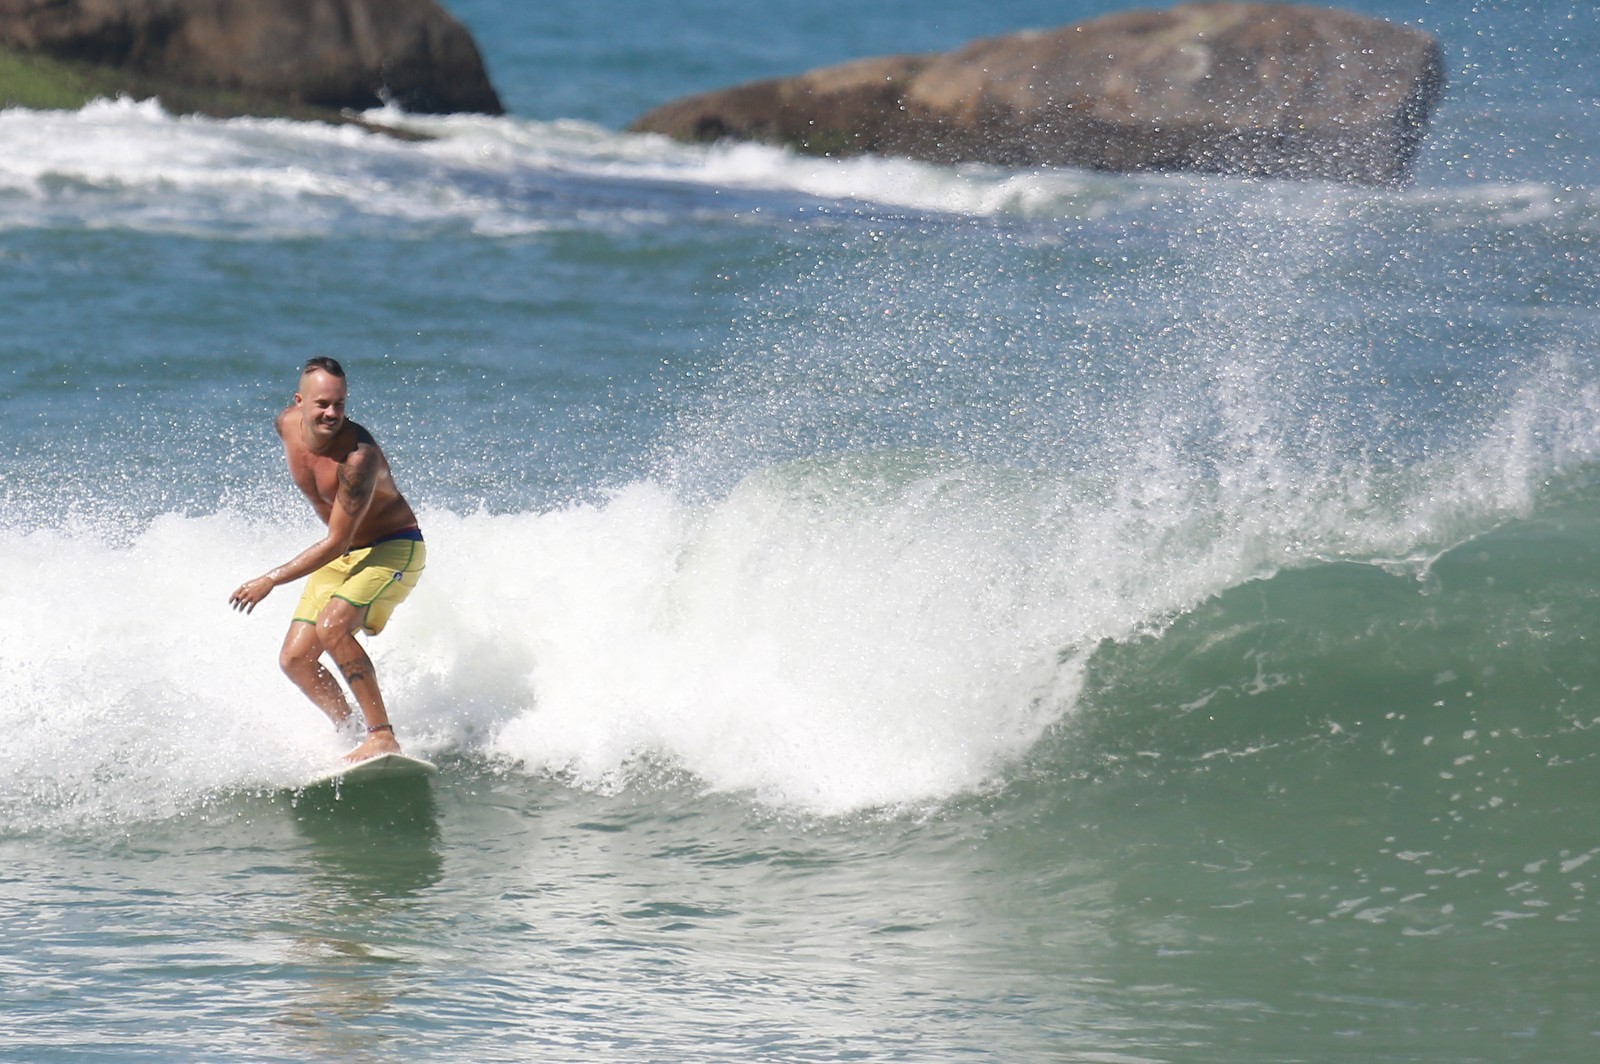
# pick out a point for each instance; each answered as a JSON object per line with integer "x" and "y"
{"x": 327, "y": 365}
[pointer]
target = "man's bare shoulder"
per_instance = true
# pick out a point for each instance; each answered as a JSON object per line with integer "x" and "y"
{"x": 282, "y": 421}
{"x": 359, "y": 456}
{"x": 361, "y": 445}
{"x": 359, "y": 435}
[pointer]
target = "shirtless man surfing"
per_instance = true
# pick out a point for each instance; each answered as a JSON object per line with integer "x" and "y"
{"x": 365, "y": 566}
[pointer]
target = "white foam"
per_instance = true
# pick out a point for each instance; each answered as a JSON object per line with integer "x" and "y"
{"x": 126, "y": 689}
{"x": 126, "y": 164}
{"x": 826, "y": 673}
{"x": 821, "y": 658}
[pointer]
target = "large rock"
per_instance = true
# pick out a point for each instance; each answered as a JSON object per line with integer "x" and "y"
{"x": 1262, "y": 89}
{"x": 323, "y": 53}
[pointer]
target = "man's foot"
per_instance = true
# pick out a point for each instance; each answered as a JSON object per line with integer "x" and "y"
{"x": 381, "y": 741}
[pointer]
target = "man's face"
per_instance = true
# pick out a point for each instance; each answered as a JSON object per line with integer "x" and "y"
{"x": 321, "y": 402}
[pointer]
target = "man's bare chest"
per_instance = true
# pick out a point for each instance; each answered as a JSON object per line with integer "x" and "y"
{"x": 315, "y": 475}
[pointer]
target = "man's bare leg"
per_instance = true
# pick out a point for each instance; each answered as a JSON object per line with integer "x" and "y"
{"x": 336, "y": 631}
{"x": 301, "y": 661}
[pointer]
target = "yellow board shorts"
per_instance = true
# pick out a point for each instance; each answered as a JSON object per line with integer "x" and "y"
{"x": 377, "y": 578}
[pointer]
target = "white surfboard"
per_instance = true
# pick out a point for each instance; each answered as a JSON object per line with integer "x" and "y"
{"x": 382, "y": 767}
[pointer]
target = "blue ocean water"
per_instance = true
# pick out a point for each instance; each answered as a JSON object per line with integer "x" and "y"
{"x": 875, "y": 610}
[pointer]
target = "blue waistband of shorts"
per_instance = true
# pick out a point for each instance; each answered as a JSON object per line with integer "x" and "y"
{"x": 413, "y": 534}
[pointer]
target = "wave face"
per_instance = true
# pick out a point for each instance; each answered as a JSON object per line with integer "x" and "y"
{"x": 829, "y": 635}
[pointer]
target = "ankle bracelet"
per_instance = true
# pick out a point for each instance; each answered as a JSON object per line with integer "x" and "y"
{"x": 381, "y": 727}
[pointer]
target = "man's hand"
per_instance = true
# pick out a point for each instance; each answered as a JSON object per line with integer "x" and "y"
{"x": 250, "y": 593}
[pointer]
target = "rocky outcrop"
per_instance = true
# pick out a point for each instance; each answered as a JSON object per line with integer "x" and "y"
{"x": 1260, "y": 89}
{"x": 333, "y": 54}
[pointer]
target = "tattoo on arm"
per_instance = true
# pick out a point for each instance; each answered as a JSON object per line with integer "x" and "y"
{"x": 357, "y": 478}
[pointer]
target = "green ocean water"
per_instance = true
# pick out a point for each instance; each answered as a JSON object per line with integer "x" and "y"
{"x": 875, "y": 611}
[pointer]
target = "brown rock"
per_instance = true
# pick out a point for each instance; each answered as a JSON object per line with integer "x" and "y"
{"x": 324, "y": 53}
{"x": 1262, "y": 89}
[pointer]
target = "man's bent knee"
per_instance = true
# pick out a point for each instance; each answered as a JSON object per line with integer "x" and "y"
{"x": 300, "y": 654}
{"x": 337, "y": 622}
